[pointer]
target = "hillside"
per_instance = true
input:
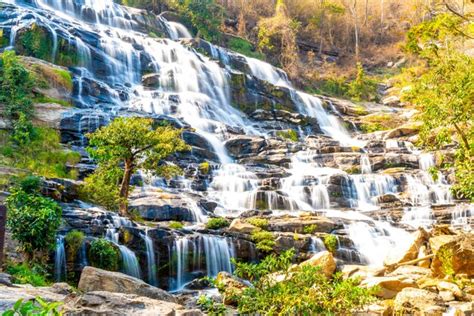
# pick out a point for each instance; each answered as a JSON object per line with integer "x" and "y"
{"x": 219, "y": 157}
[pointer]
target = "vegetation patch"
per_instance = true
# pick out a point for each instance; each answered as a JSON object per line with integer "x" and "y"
{"x": 217, "y": 223}
{"x": 264, "y": 240}
{"x": 290, "y": 135}
{"x": 331, "y": 242}
{"x": 258, "y": 222}
{"x": 176, "y": 225}
{"x": 26, "y": 274}
{"x": 244, "y": 47}
{"x": 104, "y": 255}
{"x": 74, "y": 240}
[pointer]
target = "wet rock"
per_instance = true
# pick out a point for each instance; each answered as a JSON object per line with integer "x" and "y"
{"x": 198, "y": 284}
{"x": 415, "y": 301}
{"x": 241, "y": 146}
{"x": 232, "y": 286}
{"x": 151, "y": 80}
{"x": 93, "y": 279}
{"x": 325, "y": 260}
{"x": 453, "y": 254}
{"x": 106, "y": 303}
{"x": 298, "y": 225}
{"x": 389, "y": 286}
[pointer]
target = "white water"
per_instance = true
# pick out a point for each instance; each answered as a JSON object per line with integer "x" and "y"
{"x": 60, "y": 260}
{"x": 151, "y": 260}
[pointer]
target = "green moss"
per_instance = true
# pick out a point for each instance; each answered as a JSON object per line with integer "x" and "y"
{"x": 175, "y": 225}
{"x": 310, "y": 229}
{"x": 74, "y": 240}
{"x": 290, "y": 134}
{"x": 258, "y": 222}
{"x": 244, "y": 47}
{"x": 217, "y": 223}
{"x": 330, "y": 242}
{"x": 261, "y": 205}
{"x": 264, "y": 240}
{"x": 35, "y": 42}
{"x": 44, "y": 99}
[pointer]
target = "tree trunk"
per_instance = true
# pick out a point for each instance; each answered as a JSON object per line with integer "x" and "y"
{"x": 124, "y": 187}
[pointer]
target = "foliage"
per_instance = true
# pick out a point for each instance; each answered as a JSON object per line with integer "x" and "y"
{"x": 244, "y": 47}
{"x": 104, "y": 255}
{"x": 290, "y": 134}
{"x": 444, "y": 93}
{"x": 205, "y": 15}
{"x": 330, "y": 242}
{"x": 176, "y": 225}
{"x": 217, "y": 223}
{"x": 37, "y": 307}
{"x": 258, "y": 222}
{"x": 362, "y": 87}
{"x": 36, "y": 42}
{"x": 136, "y": 143}
{"x": 44, "y": 99}
{"x": 210, "y": 307}
{"x": 74, "y": 240}
{"x": 264, "y": 240}
{"x": 26, "y": 274}
{"x": 310, "y": 229}
{"x": 446, "y": 255}
{"x": 32, "y": 220}
{"x": 304, "y": 290}
{"x": 205, "y": 167}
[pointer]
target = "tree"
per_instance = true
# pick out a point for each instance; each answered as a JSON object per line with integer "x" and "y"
{"x": 32, "y": 218}
{"x": 135, "y": 143}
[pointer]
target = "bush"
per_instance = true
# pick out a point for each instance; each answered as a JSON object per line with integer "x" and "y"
{"x": 36, "y": 307}
{"x": 258, "y": 222}
{"x": 290, "y": 134}
{"x": 330, "y": 242}
{"x": 33, "y": 220}
{"x": 25, "y": 274}
{"x": 304, "y": 290}
{"x": 176, "y": 225}
{"x": 104, "y": 255}
{"x": 362, "y": 87}
{"x": 74, "y": 240}
{"x": 209, "y": 306}
{"x": 264, "y": 241}
{"x": 244, "y": 47}
{"x": 204, "y": 168}
{"x": 217, "y": 223}
{"x": 310, "y": 229}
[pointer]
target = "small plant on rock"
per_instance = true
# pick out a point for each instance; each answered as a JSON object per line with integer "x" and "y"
{"x": 330, "y": 242}
{"x": 310, "y": 229}
{"x": 217, "y": 223}
{"x": 264, "y": 240}
{"x": 104, "y": 255}
{"x": 176, "y": 225}
{"x": 258, "y": 222}
{"x": 36, "y": 307}
{"x": 74, "y": 240}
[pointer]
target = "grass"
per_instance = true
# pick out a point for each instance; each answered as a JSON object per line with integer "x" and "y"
{"x": 258, "y": 222}
{"x": 244, "y": 47}
{"x": 217, "y": 223}
{"x": 24, "y": 274}
{"x": 290, "y": 135}
{"x": 176, "y": 225}
{"x": 45, "y": 99}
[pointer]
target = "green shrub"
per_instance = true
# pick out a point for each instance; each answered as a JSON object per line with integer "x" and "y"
{"x": 310, "y": 229}
{"x": 74, "y": 240}
{"x": 244, "y": 47}
{"x": 36, "y": 307}
{"x": 212, "y": 308}
{"x": 205, "y": 167}
{"x": 258, "y": 222}
{"x": 25, "y": 274}
{"x": 35, "y": 42}
{"x": 446, "y": 255}
{"x": 217, "y": 223}
{"x": 264, "y": 240}
{"x": 330, "y": 242}
{"x": 176, "y": 225}
{"x": 304, "y": 290}
{"x": 362, "y": 87}
{"x": 104, "y": 255}
{"x": 33, "y": 220}
{"x": 290, "y": 134}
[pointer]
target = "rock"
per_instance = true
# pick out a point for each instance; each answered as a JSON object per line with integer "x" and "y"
{"x": 446, "y": 296}
{"x": 408, "y": 252}
{"x": 93, "y": 279}
{"x": 151, "y": 80}
{"x": 198, "y": 284}
{"x": 241, "y": 146}
{"x": 362, "y": 272}
{"x": 452, "y": 288}
{"x": 239, "y": 226}
{"x": 413, "y": 272}
{"x": 414, "y": 301}
{"x": 10, "y": 295}
{"x": 49, "y": 114}
{"x": 461, "y": 308}
{"x": 325, "y": 260}
{"x": 298, "y": 225}
{"x": 403, "y": 131}
{"x": 454, "y": 254}
{"x": 107, "y": 303}
{"x": 5, "y": 279}
{"x": 232, "y": 287}
{"x": 391, "y": 101}
{"x": 389, "y": 286}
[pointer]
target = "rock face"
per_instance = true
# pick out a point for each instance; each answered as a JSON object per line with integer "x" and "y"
{"x": 409, "y": 253}
{"x": 93, "y": 279}
{"x": 453, "y": 254}
{"x": 389, "y": 286}
{"x": 413, "y": 301}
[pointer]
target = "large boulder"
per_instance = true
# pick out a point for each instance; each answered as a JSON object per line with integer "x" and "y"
{"x": 389, "y": 286}
{"x": 241, "y": 146}
{"x": 454, "y": 254}
{"x": 406, "y": 252}
{"x": 419, "y": 302}
{"x": 239, "y": 226}
{"x": 298, "y": 225}
{"x": 10, "y": 295}
{"x": 325, "y": 260}
{"x": 107, "y": 303}
{"x": 93, "y": 279}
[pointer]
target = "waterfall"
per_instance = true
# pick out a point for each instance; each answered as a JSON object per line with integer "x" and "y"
{"x": 60, "y": 260}
{"x": 151, "y": 261}
{"x": 188, "y": 253}
{"x": 365, "y": 166}
{"x": 316, "y": 245}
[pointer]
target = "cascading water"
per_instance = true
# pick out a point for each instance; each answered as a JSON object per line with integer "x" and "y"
{"x": 60, "y": 260}
{"x": 151, "y": 260}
